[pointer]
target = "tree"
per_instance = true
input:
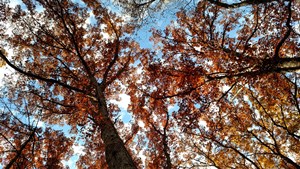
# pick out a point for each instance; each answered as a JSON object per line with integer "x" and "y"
{"x": 143, "y": 13}
{"x": 71, "y": 68}
{"x": 220, "y": 89}
{"x": 138, "y": 9}
{"x": 233, "y": 75}
{"x": 26, "y": 145}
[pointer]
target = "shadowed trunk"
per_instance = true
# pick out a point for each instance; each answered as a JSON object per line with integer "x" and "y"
{"x": 116, "y": 154}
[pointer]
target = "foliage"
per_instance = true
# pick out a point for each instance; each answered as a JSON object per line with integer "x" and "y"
{"x": 219, "y": 89}
{"x": 24, "y": 144}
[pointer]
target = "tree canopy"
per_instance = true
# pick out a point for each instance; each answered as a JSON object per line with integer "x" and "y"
{"x": 219, "y": 87}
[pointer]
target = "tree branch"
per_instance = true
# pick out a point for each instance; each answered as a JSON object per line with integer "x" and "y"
{"x": 38, "y": 77}
{"x": 240, "y": 4}
{"x": 19, "y": 152}
{"x": 287, "y": 33}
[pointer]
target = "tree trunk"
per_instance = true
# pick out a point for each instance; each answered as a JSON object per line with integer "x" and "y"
{"x": 116, "y": 154}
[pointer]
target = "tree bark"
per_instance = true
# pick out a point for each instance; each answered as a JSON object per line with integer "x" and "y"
{"x": 116, "y": 154}
{"x": 239, "y": 4}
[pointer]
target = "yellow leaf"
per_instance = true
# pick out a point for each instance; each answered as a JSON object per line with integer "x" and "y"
{"x": 2, "y": 63}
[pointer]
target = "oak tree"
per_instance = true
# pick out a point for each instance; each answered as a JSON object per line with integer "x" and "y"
{"x": 24, "y": 144}
{"x": 219, "y": 89}
{"x": 232, "y": 71}
{"x": 71, "y": 67}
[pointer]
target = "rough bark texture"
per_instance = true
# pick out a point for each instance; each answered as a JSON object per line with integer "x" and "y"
{"x": 117, "y": 156}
